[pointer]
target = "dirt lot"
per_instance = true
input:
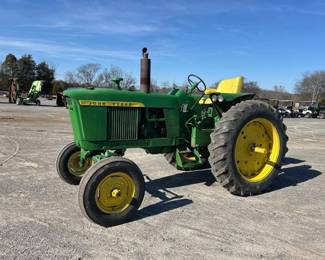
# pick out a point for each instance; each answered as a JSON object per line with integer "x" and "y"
{"x": 183, "y": 216}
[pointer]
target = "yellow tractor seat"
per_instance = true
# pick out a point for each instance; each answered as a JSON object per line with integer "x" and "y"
{"x": 232, "y": 86}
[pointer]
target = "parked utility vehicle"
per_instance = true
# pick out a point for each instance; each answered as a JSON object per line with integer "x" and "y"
{"x": 32, "y": 96}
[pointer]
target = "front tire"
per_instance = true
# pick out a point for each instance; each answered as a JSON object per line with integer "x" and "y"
{"x": 247, "y": 148}
{"x": 67, "y": 164}
{"x": 111, "y": 191}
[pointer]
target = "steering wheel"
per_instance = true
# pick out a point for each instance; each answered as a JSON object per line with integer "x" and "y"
{"x": 194, "y": 84}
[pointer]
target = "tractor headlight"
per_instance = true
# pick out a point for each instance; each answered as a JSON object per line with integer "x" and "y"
{"x": 217, "y": 98}
{"x": 214, "y": 98}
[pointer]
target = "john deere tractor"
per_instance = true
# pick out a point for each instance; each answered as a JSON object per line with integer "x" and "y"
{"x": 242, "y": 139}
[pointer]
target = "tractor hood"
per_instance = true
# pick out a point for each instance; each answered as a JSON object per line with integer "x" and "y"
{"x": 122, "y": 98}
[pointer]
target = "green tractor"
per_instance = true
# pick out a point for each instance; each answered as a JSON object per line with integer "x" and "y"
{"x": 242, "y": 139}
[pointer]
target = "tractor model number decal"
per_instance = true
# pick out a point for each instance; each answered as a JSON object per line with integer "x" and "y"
{"x": 184, "y": 108}
{"x": 110, "y": 103}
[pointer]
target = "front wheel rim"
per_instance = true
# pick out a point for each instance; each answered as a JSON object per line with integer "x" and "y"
{"x": 115, "y": 193}
{"x": 74, "y": 164}
{"x": 257, "y": 149}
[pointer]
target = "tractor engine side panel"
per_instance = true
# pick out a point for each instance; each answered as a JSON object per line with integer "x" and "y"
{"x": 107, "y": 119}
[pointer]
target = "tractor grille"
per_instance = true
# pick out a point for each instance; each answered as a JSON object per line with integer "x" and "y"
{"x": 123, "y": 123}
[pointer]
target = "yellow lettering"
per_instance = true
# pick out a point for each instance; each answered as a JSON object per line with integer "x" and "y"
{"x": 110, "y": 103}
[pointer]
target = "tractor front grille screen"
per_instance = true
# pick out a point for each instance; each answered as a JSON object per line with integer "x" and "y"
{"x": 123, "y": 123}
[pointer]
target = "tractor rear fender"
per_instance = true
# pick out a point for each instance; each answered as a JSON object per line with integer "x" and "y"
{"x": 236, "y": 98}
{"x": 230, "y": 100}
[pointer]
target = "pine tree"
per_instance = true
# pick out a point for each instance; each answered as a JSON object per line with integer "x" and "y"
{"x": 45, "y": 73}
{"x": 26, "y": 74}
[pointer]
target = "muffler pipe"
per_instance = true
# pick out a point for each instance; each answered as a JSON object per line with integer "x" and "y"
{"x": 145, "y": 71}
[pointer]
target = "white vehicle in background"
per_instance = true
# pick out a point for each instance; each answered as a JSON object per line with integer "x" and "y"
{"x": 309, "y": 112}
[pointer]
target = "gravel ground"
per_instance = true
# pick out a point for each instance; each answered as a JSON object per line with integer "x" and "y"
{"x": 183, "y": 216}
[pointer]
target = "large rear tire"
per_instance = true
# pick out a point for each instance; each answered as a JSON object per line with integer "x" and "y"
{"x": 247, "y": 148}
{"x": 111, "y": 191}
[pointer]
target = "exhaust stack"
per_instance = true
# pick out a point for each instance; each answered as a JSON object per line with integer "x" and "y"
{"x": 145, "y": 71}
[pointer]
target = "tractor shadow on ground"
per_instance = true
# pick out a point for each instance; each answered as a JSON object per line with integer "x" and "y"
{"x": 290, "y": 160}
{"x": 292, "y": 176}
{"x": 169, "y": 200}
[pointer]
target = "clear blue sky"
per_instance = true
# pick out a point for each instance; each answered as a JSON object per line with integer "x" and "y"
{"x": 272, "y": 42}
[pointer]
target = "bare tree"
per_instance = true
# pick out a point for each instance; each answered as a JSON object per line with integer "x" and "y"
{"x": 185, "y": 85}
{"x": 154, "y": 85}
{"x": 86, "y": 74}
{"x": 71, "y": 78}
{"x": 252, "y": 87}
{"x": 104, "y": 79}
{"x": 91, "y": 75}
{"x": 279, "y": 88}
{"x": 128, "y": 81}
{"x": 312, "y": 84}
{"x": 278, "y": 92}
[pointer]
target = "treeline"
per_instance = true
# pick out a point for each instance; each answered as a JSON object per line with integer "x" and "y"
{"x": 25, "y": 70}
{"x": 93, "y": 75}
{"x": 277, "y": 92}
{"x": 311, "y": 87}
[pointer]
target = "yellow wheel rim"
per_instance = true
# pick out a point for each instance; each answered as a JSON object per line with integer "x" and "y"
{"x": 115, "y": 193}
{"x": 74, "y": 166}
{"x": 257, "y": 149}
